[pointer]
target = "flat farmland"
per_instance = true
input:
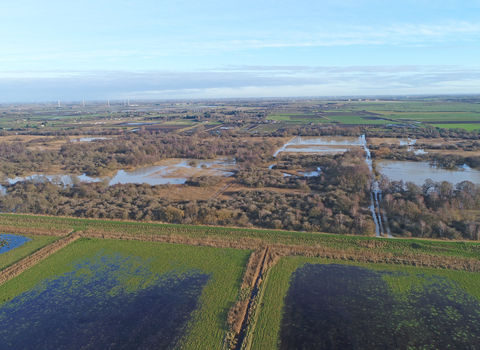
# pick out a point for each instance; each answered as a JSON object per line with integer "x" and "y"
{"x": 134, "y": 283}
{"x": 317, "y": 303}
{"x": 35, "y": 243}
{"x": 262, "y": 128}
{"x": 228, "y": 234}
{"x": 331, "y": 117}
{"x": 465, "y": 126}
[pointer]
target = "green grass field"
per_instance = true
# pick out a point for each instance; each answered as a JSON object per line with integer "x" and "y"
{"x": 468, "y": 127}
{"x": 267, "y": 128}
{"x": 397, "y": 112}
{"x": 12, "y": 256}
{"x": 357, "y": 243}
{"x": 207, "y": 328}
{"x": 276, "y": 284}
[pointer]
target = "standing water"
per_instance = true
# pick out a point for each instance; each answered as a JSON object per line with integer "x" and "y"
{"x": 375, "y": 198}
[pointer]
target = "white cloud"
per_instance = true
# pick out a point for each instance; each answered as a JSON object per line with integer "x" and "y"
{"x": 242, "y": 81}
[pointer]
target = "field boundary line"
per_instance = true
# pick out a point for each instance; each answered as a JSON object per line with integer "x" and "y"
{"x": 35, "y": 231}
{"x": 31, "y": 260}
{"x": 245, "y": 243}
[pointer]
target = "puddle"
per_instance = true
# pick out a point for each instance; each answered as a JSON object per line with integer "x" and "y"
{"x": 11, "y": 242}
{"x": 311, "y": 173}
{"x": 407, "y": 142}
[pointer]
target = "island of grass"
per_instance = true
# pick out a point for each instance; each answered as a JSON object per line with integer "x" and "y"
{"x": 312, "y": 303}
{"x": 133, "y": 294}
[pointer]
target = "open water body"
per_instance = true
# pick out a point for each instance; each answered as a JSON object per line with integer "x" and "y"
{"x": 90, "y": 139}
{"x": 139, "y": 175}
{"x": 11, "y": 242}
{"x": 418, "y": 172}
{"x": 320, "y": 144}
{"x": 109, "y": 302}
{"x": 348, "y": 307}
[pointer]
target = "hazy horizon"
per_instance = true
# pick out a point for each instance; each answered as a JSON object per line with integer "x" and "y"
{"x": 107, "y": 49}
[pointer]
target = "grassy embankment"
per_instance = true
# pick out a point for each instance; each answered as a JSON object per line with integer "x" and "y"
{"x": 207, "y": 328}
{"x": 254, "y": 237}
{"x": 36, "y": 242}
{"x": 267, "y": 324}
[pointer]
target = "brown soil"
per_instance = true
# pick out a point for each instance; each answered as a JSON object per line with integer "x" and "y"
{"x": 22, "y": 138}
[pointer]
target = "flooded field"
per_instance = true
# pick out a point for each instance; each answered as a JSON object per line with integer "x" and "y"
{"x": 95, "y": 307}
{"x": 170, "y": 171}
{"x": 321, "y": 144}
{"x": 349, "y": 307}
{"x": 9, "y": 242}
{"x": 418, "y": 172}
{"x": 119, "y": 294}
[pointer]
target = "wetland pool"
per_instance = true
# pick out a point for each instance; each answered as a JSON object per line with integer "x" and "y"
{"x": 170, "y": 171}
{"x": 9, "y": 242}
{"x": 321, "y": 144}
{"x": 331, "y": 306}
{"x": 418, "y": 172}
{"x": 110, "y": 301}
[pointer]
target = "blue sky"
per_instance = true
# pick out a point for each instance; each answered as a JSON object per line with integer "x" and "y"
{"x": 101, "y": 49}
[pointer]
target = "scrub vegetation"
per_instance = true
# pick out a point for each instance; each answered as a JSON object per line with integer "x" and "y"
{"x": 267, "y": 245}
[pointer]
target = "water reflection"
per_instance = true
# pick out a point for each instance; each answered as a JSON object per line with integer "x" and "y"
{"x": 418, "y": 172}
{"x": 175, "y": 173}
{"x": 90, "y": 139}
{"x": 328, "y": 144}
{"x": 12, "y": 241}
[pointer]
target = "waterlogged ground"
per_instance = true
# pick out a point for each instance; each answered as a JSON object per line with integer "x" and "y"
{"x": 9, "y": 242}
{"x": 330, "y": 306}
{"x": 170, "y": 171}
{"x": 109, "y": 294}
{"x": 107, "y": 302}
{"x": 321, "y": 144}
{"x": 418, "y": 172}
